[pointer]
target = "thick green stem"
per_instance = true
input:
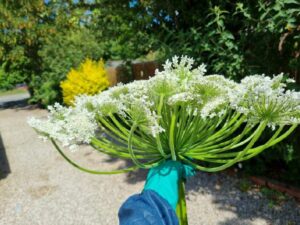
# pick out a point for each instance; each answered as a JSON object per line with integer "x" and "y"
{"x": 181, "y": 206}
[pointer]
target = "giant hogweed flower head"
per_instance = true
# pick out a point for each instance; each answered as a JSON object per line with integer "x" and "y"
{"x": 179, "y": 114}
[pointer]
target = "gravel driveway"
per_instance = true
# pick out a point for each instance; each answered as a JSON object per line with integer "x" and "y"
{"x": 40, "y": 188}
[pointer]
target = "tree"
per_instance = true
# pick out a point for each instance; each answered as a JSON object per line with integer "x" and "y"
{"x": 25, "y": 26}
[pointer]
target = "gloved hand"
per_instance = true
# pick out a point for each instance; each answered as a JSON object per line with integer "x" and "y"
{"x": 164, "y": 180}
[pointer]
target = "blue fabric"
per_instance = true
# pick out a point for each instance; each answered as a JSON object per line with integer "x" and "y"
{"x": 147, "y": 208}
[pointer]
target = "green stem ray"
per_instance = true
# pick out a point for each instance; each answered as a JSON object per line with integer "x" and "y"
{"x": 145, "y": 138}
{"x": 89, "y": 170}
{"x": 255, "y": 151}
{"x": 198, "y": 132}
{"x": 117, "y": 132}
{"x": 143, "y": 135}
{"x": 171, "y": 135}
{"x": 230, "y": 120}
{"x": 158, "y": 141}
{"x": 154, "y": 163}
{"x": 110, "y": 134}
{"x": 119, "y": 150}
{"x": 225, "y": 133}
{"x": 217, "y": 157}
{"x": 109, "y": 151}
{"x": 224, "y": 146}
{"x": 181, "y": 121}
{"x": 228, "y": 163}
{"x": 136, "y": 139}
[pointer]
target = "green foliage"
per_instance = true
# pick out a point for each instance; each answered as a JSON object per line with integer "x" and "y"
{"x": 60, "y": 53}
{"x": 274, "y": 197}
{"x": 25, "y": 28}
{"x": 281, "y": 162}
{"x": 8, "y": 81}
{"x": 124, "y": 37}
{"x": 236, "y": 39}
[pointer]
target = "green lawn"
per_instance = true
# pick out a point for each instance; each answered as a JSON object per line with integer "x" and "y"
{"x": 13, "y": 92}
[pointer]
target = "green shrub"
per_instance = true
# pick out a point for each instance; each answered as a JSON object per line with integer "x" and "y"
{"x": 89, "y": 78}
{"x": 61, "y": 53}
{"x": 246, "y": 37}
{"x": 280, "y": 162}
{"x": 10, "y": 73}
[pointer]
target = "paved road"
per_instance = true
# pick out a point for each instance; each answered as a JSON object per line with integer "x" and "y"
{"x": 16, "y": 99}
{"x": 42, "y": 189}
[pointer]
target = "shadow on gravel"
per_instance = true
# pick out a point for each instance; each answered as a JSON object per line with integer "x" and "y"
{"x": 132, "y": 177}
{"x": 4, "y": 165}
{"x": 227, "y": 196}
{"x": 246, "y": 205}
{"x": 139, "y": 175}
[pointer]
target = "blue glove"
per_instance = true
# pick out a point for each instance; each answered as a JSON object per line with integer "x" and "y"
{"x": 164, "y": 180}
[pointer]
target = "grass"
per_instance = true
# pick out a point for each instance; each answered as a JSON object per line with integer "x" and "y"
{"x": 244, "y": 185}
{"x": 13, "y": 92}
{"x": 274, "y": 197}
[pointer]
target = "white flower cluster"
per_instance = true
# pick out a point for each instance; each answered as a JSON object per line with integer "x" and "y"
{"x": 264, "y": 98}
{"x": 149, "y": 104}
{"x": 69, "y": 126}
{"x": 183, "y": 67}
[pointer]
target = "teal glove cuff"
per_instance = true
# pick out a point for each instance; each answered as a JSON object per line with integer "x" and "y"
{"x": 165, "y": 178}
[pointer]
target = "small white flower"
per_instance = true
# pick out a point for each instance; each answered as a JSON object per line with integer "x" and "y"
{"x": 179, "y": 98}
{"x": 290, "y": 80}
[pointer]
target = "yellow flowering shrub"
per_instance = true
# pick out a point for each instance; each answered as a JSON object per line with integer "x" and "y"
{"x": 90, "y": 78}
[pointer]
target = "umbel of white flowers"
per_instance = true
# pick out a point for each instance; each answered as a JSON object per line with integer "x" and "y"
{"x": 179, "y": 114}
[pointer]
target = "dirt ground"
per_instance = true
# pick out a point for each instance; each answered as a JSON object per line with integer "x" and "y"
{"x": 38, "y": 187}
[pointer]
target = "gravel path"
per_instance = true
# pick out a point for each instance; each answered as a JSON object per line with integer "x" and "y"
{"x": 40, "y": 188}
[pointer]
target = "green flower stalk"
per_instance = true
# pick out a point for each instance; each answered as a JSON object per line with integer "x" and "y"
{"x": 207, "y": 121}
